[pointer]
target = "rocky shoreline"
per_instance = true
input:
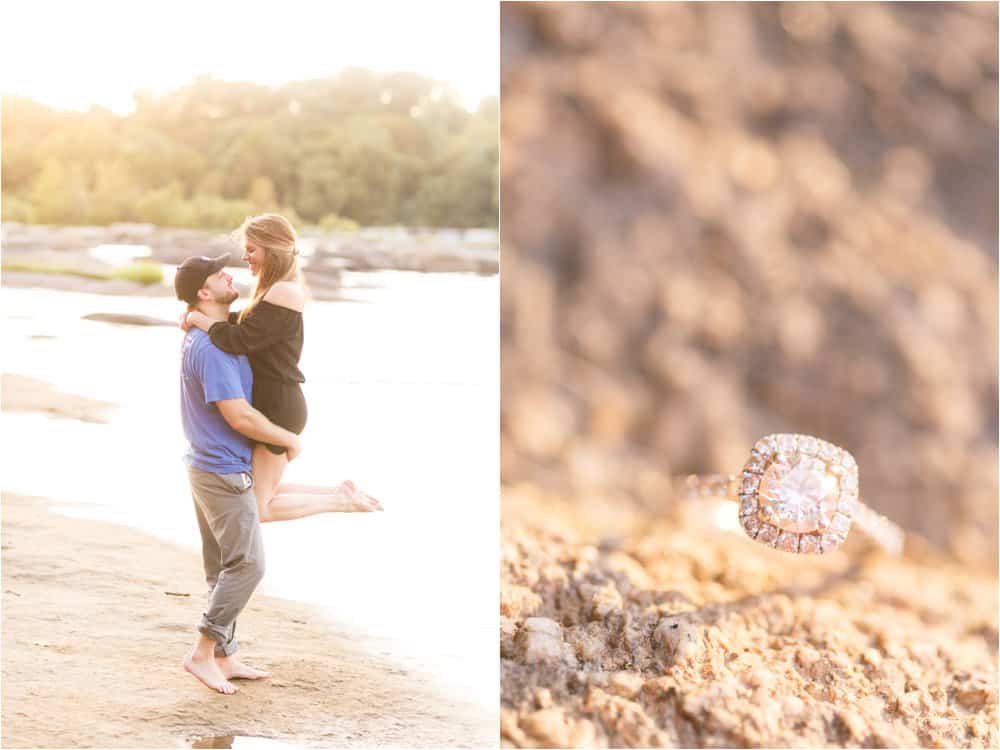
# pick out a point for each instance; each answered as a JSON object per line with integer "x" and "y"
{"x": 326, "y": 256}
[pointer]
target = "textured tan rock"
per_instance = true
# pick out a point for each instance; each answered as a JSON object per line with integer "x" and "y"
{"x": 540, "y": 640}
{"x": 853, "y": 648}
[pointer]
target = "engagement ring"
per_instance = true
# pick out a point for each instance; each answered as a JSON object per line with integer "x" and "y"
{"x": 799, "y": 494}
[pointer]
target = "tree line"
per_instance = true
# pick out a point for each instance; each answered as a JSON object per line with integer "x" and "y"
{"x": 358, "y": 148}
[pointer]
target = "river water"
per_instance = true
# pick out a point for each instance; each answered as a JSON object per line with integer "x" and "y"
{"x": 403, "y": 393}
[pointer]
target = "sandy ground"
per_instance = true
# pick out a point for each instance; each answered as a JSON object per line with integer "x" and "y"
{"x": 621, "y": 631}
{"x": 21, "y": 393}
{"x": 97, "y": 618}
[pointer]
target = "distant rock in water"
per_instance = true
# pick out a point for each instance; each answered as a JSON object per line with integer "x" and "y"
{"x": 129, "y": 319}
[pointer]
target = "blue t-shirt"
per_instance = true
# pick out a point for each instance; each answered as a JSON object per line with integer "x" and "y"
{"x": 209, "y": 374}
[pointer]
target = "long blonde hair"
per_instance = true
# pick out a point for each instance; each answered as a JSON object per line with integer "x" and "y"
{"x": 275, "y": 235}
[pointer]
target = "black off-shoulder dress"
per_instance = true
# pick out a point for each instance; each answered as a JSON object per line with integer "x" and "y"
{"x": 271, "y": 336}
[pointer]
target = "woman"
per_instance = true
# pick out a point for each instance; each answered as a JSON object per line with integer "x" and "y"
{"x": 270, "y": 331}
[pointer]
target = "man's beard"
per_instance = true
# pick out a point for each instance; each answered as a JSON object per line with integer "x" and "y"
{"x": 227, "y": 298}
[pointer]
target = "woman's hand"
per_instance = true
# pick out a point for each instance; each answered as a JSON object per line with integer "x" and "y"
{"x": 184, "y": 323}
{"x": 294, "y": 449}
{"x": 196, "y": 319}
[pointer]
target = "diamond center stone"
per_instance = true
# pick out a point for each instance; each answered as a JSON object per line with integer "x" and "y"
{"x": 802, "y": 496}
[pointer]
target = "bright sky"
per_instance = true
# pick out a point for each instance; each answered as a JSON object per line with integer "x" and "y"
{"x": 74, "y": 54}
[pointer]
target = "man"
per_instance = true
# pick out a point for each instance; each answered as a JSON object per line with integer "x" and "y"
{"x": 218, "y": 420}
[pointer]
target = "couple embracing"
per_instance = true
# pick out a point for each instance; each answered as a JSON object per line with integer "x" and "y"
{"x": 242, "y": 410}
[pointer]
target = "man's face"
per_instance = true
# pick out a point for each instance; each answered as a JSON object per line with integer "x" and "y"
{"x": 220, "y": 288}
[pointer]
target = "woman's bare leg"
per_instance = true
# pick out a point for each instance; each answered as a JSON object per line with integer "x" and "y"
{"x": 289, "y": 488}
{"x": 274, "y": 503}
{"x": 347, "y": 498}
{"x": 268, "y": 468}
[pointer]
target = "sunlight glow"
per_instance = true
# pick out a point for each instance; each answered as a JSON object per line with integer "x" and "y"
{"x": 73, "y": 55}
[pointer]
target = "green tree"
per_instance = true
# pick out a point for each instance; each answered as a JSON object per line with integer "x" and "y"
{"x": 16, "y": 209}
{"x": 59, "y": 194}
{"x": 370, "y": 147}
{"x": 262, "y": 195}
{"x": 213, "y": 212}
{"x": 114, "y": 194}
{"x": 164, "y": 206}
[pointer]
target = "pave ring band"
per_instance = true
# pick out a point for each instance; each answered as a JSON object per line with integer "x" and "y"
{"x": 798, "y": 494}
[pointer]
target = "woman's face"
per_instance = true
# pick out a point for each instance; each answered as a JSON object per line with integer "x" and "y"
{"x": 254, "y": 257}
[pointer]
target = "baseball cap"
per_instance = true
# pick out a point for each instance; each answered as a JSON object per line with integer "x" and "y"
{"x": 191, "y": 275}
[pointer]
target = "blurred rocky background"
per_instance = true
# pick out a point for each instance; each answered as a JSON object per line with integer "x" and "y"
{"x": 722, "y": 220}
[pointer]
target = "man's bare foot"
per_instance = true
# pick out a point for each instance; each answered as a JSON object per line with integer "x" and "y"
{"x": 361, "y": 500}
{"x": 232, "y": 669}
{"x": 209, "y": 673}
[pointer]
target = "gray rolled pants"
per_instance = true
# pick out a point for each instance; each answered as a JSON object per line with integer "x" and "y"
{"x": 232, "y": 549}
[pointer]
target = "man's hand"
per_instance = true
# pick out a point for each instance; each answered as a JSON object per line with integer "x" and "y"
{"x": 294, "y": 449}
{"x": 184, "y": 323}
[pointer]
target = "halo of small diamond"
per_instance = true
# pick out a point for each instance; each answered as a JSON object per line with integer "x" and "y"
{"x": 765, "y": 448}
{"x": 848, "y": 504}
{"x": 809, "y": 544}
{"x": 788, "y": 541}
{"x": 808, "y": 445}
{"x": 768, "y": 534}
{"x": 761, "y": 522}
{"x": 788, "y": 444}
{"x": 751, "y": 525}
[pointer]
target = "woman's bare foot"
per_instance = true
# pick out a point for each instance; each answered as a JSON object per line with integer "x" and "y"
{"x": 208, "y": 672}
{"x": 233, "y": 669}
{"x": 361, "y": 500}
